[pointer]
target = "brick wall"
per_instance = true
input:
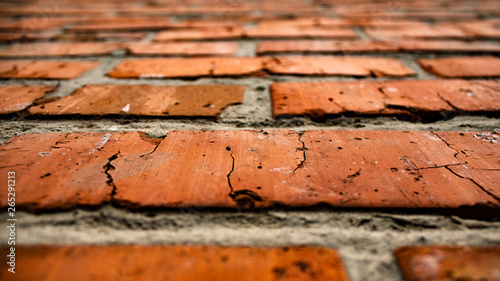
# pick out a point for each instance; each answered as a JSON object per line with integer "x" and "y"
{"x": 250, "y": 140}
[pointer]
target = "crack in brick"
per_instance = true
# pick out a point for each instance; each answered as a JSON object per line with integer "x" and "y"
{"x": 458, "y": 110}
{"x": 474, "y": 182}
{"x": 457, "y": 152}
{"x": 154, "y": 149}
{"x": 303, "y": 149}
{"x": 245, "y": 199}
{"x": 109, "y": 167}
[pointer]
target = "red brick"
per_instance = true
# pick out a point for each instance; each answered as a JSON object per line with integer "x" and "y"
{"x": 485, "y": 66}
{"x": 58, "y": 49}
{"x": 252, "y": 32}
{"x": 176, "y": 263}
{"x": 44, "y": 69}
{"x": 122, "y": 24}
{"x": 194, "y": 67}
{"x": 427, "y": 99}
{"x": 304, "y": 21}
{"x": 38, "y": 23}
{"x": 109, "y": 36}
{"x": 187, "y": 48}
{"x": 449, "y": 262}
{"x": 358, "y": 46}
{"x": 348, "y": 66}
{"x": 60, "y": 171}
{"x": 247, "y": 169}
{"x": 59, "y": 10}
{"x": 189, "y": 100}
{"x": 17, "y": 98}
{"x": 433, "y": 32}
{"x": 27, "y": 36}
{"x": 186, "y": 67}
{"x": 481, "y": 29}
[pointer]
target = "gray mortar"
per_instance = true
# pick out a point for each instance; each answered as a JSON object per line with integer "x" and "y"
{"x": 365, "y": 240}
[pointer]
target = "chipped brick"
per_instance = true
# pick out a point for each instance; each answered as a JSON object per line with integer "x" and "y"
{"x": 193, "y": 67}
{"x": 188, "y": 48}
{"x": 177, "y": 263}
{"x": 61, "y": 171}
{"x": 426, "y": 98}
{"x": 17, "y": 98}
{"x": 250, "y": 169}
{"x": 449, "y": 262}
{"x": 58, "y": 49}
{"x": 189, "y": 100}
{"x": 485, "y": 66}
{"x": 44, "y": 69}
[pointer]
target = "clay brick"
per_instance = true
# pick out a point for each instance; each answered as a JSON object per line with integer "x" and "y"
{"x": 427, "y": 99}
{"x": 304, "y": 21}
{"x": 193, "y": 67}
{"x": 349, "y": 66}
{"x": 189, "y": 100}
{"x": 247, "y": 169}
{"x": 431, "y": 32}
{"x": 17, "y": 98}
{"x": 188, "y": 48}
{"x": 176, "y": 263}
{"x": 38, "y": 23}
{"x": 359, "y": 46}
{"x": 254, "y": 33}
{"x": 449, "y": 262}
{"x": 186, "y": 67}
{"x": 44, "y": 69}
{"x": 58, "y": 49}
{"x": 324, "y": 46}
{"x": 97, "y": 36}
{"x": 65, "y": 170}
{"x": 200, "y": 34}
{"x": 122, "y": 24}
{"x": 27, "y": 36}
{"x": 485, "y": 66}
{"x": 481, "y": 29}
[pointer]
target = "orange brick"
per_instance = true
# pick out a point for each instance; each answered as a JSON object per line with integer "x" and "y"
{"x": 44, "y": 69}
{"x": 194, "y": 67}
{"x": 347, "y": 66}
{"x": 432, "y": 32}
{"x": 485, "y": 66}
{"x": 17, "y": 98}
{"x": 200, "y": 34}
{"x": 255, "y": 169}
{"x": 122, "y": 24}
{"x": 176, "y": 263}
{"x": 189, "y": 100}
{"x": 481, "y": 29}
{"x": 38, "y": 23}
{"x": 423, "y": 98}
{"x": 58, "y": 49}
{"x": 449, "y": 262}
{"x": 188, "y": 48}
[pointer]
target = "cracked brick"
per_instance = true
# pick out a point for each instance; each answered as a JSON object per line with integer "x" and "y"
{"x": 449, "y": 262}
{"x": 466, "y": 67}
{"x": 176, "y": 263}
{"x": 44, "y": 69}
{"x": 426, "y": 99}
{"x": 188, "y": 100}
{"x": 256, "y": 169}
{"x": 17, "y": 98}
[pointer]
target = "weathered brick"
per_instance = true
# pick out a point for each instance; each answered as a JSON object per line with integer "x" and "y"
{"x": 187, "y": 48}
{"x": 38, "y": 23}
{"x": 122, "y": 24}
{"x": 58, "y": 49}
{"x": 176, "y": 263}
{"x": 17, "y": 98}
{"x": 425, "y": 98}
{"x": 252, "y": 169}
{"x": 45, "y": 69}
{"x": 193, "y": 67}
{"x": 481, "y": 29}
{"x": 359, "y": 46}
{"x": 449, "y": 262}
{"x": 200, "y": 34}
{"x": 485, "y": 66}
{"x": 189, "y": 100}
{"x": 434, "y": 32}
{"x": 349, "y": 66}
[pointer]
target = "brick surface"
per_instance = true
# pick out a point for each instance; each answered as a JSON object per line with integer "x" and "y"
{"x": 177, "y": 263}
{"x": 38, "y": 23}
{"x": 17, "y": 98}
{"x": 112, "y": 24}
{"x": 485, "y": 66}
{"x": 253, "y": 169}
{"x": 44, "y": 69}
{"x": 193, "y": 67}
{"x": 420, "y": 97}
{"x": 360, "y": 46}
{"x": 449, "y": 263}
{"x": 200, "y": 34}
{"x": 190, "y": 100}
{"x": 435, "y": 32}
{"x": 188, "y": 48}
{"x": 481, "y": 29}
{"x": 58, "y": 49}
